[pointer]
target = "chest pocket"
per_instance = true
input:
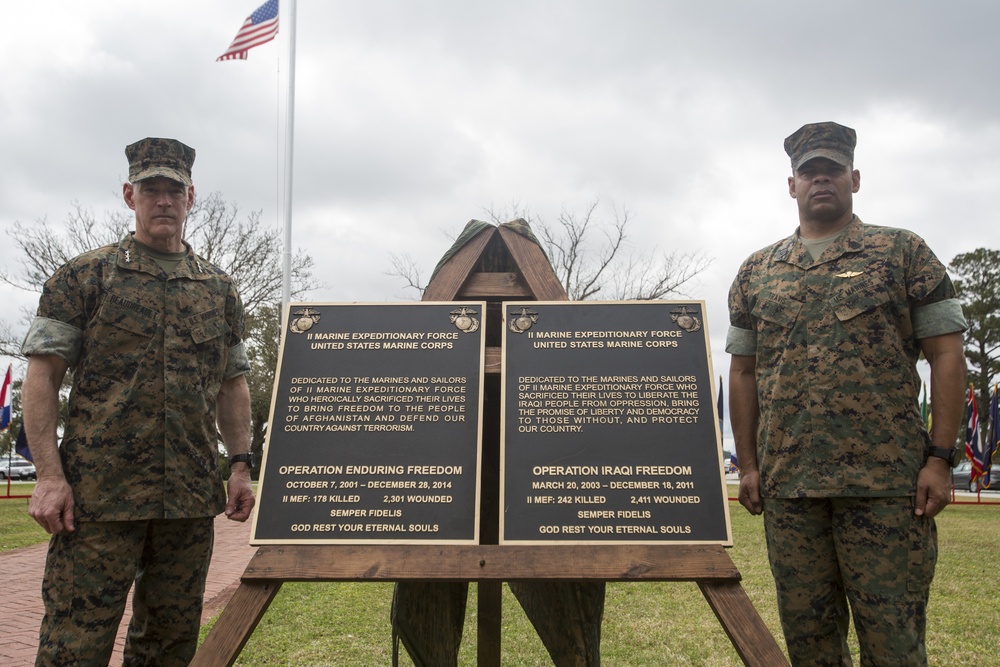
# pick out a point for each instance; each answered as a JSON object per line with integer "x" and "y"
{"x": 856, "y": 299}
{"x": 209, "y": 338}
{"x": 120, "y": 340}
{"x": 207, "y": 331}
{"x": 776, "y": 310}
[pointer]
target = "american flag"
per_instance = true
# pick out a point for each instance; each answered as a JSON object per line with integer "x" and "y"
{"x": 259, "y": 28}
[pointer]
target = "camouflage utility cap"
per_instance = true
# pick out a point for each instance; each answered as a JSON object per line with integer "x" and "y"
{"x": 159, "y": 157}
{"x": 830, "y": 140}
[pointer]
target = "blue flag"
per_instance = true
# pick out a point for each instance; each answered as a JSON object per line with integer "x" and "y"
{"x": 21, "y": 446}
{"x": 719, "y": 405}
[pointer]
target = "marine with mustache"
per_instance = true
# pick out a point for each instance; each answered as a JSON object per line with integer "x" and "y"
{"x": 825, "y": 330}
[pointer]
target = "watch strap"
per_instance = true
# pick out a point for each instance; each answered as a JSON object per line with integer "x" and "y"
{"x": 242, "y": 458}
{"x": 950, "y": 454}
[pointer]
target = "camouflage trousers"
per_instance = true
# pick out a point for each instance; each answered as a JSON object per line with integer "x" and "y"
{"x": 87, "y": 578}
{"x": 873, "y": 553}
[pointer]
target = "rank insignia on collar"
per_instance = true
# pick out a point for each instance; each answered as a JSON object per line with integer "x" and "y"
{"x": 849, "y": 274}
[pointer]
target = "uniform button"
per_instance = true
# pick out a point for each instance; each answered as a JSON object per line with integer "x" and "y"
{"x": 170, "y": 330}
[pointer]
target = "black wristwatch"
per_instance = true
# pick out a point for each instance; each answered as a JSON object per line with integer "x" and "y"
{"x": 242, "y": 458}
{"x": 953, "y": 455}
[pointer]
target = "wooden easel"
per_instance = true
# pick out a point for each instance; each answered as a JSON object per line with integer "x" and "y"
{"x": 497, "y": 264}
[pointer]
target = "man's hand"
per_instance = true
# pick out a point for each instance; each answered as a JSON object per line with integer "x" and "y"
{"x": 933, "y": 487}
{"x": 241, "y": 500}
{"x": 946, "y": 356}
{"x": 750, "y": 491}
{"x": 52, "y": 505}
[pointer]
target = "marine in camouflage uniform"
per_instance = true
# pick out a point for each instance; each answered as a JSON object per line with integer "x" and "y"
{"x": 826, "y": 329}
{"x": 153, "y": 334}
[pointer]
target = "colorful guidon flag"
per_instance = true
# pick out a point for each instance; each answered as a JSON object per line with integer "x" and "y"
{"x": 972, "y": 435}
{"x": 719, "y": 406}
{"x": 259, "y": 28}
{"x": 5, "y": 401}
{"x": 924, "y": 414}
{"x": 992, "y": 441}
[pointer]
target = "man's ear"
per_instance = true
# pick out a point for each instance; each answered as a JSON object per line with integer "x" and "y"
{"x": 128, "y": 193}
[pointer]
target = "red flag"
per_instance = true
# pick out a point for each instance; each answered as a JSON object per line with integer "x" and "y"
{"x": 259, "y": 28}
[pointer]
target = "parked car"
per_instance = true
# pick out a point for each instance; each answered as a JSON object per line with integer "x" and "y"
{"x": 962, "y": 473}
{"x": 17, "y": 469}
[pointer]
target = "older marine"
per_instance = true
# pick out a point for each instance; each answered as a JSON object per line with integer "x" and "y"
{"x": 153, "y": 334}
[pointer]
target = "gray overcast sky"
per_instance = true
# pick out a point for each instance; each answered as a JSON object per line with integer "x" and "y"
{"x": 414, "y": 117}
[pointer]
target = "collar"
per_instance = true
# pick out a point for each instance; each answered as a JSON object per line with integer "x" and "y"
{"x": 129, "y": 256}
{"x": 793, "y": 251}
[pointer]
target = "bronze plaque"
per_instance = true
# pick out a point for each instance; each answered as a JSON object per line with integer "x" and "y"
{"x": 374, "y": 435}
{"x": 610, "y": 432}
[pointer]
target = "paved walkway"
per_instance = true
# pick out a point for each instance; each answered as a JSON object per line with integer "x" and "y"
{"x": 21, "y": 597}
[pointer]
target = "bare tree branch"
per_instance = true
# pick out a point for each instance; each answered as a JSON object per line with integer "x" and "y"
{"x": 240, "y": 245}
{"x": 405, "y": 268}
{"x": 645, "y": 279}
{"x": 589, "y": 255}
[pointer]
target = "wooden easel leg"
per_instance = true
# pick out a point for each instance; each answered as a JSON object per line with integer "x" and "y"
{"x": 746, "y": 629}
{"x": 489, "y": 621}
{"x": 236, "y": 623}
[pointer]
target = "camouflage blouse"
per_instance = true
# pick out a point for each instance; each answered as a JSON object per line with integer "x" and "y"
{"x": 149, "y": 353}
{"x": 836, "y": 349}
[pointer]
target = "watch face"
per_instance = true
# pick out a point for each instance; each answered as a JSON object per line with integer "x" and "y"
{"x": 956, "y": 456}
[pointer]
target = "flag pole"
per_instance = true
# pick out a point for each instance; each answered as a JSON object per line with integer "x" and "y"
{"x": 286, "y": 258}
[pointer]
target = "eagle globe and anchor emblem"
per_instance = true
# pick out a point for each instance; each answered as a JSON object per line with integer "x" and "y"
{"x": 522, "y": 319}
{"x": 463, "y": 319}
{"x": 686, "y": 319}
{"x": 303, "y": 320}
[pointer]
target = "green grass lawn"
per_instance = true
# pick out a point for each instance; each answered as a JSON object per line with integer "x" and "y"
{"x": 654, "y": 623}
{"x": 17, "y": 529}
{"x": 644, "y": 623}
